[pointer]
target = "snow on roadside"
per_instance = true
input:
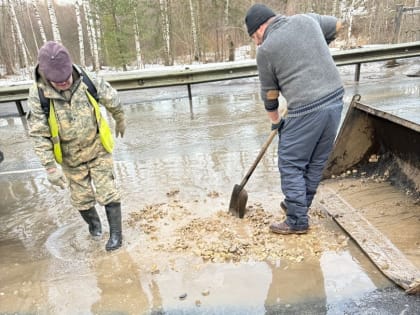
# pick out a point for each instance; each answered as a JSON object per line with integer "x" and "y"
{"x": 242, "y": 54}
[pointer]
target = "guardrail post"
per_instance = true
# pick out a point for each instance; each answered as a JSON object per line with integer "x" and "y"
{"x": 357, "y": 73}
{"x": 20, "y": 108}
{"x": 190, "y": 99}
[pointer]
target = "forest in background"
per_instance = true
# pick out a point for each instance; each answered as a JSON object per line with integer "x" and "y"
{"x": 129, "y": 34}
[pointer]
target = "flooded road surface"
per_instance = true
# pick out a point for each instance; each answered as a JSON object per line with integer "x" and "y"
{"x": 182, "y": 252}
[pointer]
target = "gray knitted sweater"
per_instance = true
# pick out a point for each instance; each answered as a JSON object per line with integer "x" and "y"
{"x": 295, "y": 60}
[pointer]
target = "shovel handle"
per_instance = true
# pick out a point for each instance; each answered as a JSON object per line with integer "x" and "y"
{"x": 257, "y": 160}
{"x": 260, "y": 155}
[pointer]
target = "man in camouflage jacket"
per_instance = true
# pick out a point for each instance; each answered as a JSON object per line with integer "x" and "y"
{"x": 86, "y": 167}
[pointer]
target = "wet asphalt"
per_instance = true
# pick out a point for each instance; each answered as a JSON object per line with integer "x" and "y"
{"x": 49, "y": 266}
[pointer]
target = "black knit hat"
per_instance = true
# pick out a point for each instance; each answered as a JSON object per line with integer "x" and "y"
{"x": 55, "y": 62}
{"x": 257, "y": 14}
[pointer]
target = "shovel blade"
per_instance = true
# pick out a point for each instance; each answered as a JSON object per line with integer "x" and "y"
{"x": 237, "y": 205}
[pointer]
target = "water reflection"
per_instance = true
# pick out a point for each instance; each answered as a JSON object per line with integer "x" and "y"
{"x": 112, "y": 273}
{"x": 296, "y": 288}
{"x": 216, "y": 289}
{"x": 28, "y": 206}
{"x": 48, "y": 259}
{"x": 71, "y": 288}
{"x": 343, "y": 278}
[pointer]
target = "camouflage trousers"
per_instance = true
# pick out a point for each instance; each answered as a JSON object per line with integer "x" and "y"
{"x": 92, "y": 182}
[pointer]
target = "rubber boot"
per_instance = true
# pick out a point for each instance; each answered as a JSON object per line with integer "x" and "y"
{"x": 113, "y": 213}
{"x": 91, "y": 217}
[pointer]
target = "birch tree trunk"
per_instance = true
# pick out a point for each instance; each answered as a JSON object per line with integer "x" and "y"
{"x": 334, "y": 8}
{"x": 350, "y": 20}
{"x": 198, "y": 28}
{"x": 417, "y": 4}
{"x": 229, "y": 40}
{"x": 8, "y": 52}
{"x": 98, "y": 28}
{"x": 166, "y": 32}
{"x": 39, "y": 22}
{"x": 91, "y": 34}
{"x": 28, "y": 12}
{"x": 139, "y": 61}
{"x": 54, "y": 24}
{"x": 227, "y": 13}
{"x": 196, "y": 48}
{"x": 80, "y": 33}
{"x": 20, "y": 41}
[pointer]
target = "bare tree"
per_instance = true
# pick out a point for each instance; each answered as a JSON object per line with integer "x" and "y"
{"x": 227, "y": 12}
{"x": 417, "y": 5}
{"x": 77, "y": 6}
{"x": 54, "y": 24}
{"x": 334, "y": 8}
{"x": 164, "y": 13}
{"x": 7, "y": 52}
{"x": 196, "y": 48}
{"x": 39, "y": 22}
{"x": 198, "y": 24}
{"x": 91, "y": 34}
{"x": 113, "y": 33}
{"x": 356, "y": 8}
{"x": 20, "y": 41}
{"x": 98, "y": 29}
{"x": 139, "y": 61}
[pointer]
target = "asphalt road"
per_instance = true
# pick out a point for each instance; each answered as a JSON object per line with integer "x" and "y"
{"x": 182, "y": 162}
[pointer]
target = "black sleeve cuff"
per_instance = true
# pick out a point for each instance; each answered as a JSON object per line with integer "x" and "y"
{"x": 271, "y": 105}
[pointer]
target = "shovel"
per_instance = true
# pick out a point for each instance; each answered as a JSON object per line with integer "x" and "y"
{"x": 237, "y": 205}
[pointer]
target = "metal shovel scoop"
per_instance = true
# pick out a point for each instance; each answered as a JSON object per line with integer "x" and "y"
{"x": 237, "y": 205}
{"x": 239, "y": 196}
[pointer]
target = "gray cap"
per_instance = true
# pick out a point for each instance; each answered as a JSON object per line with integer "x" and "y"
{"x": 257, "y": 14}
{"x": 55, "y": 62}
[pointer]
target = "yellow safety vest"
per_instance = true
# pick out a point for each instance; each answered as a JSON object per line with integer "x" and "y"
{"x": 104, "y": 130}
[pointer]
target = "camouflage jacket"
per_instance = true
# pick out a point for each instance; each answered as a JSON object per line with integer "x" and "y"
{"x": 78, "y": 129}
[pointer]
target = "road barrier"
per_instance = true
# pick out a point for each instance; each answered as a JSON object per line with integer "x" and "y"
{"x": 193, "y": 74}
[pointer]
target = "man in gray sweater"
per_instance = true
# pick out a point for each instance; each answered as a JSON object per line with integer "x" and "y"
{"x": 293, "y": 59}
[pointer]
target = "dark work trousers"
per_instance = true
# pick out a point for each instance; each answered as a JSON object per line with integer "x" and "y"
{"x": 304, "y": 146}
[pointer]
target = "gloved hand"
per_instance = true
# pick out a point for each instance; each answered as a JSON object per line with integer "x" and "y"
{"x": 277, "y": 125}
{"x": 56, "y": 177}
{"x": 120, "y": 128}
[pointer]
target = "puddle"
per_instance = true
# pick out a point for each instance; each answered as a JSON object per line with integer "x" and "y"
{"x": 182, "y": 253}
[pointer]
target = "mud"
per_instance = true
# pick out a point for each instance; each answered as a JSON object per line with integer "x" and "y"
{"x": 394, "y": 212}
{"x": 183, "y": 253}
{"x": 221, "y": 237}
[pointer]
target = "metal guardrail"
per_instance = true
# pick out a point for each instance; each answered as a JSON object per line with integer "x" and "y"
{"x": 194, "y": 74}
{"x": 244, "y": 69}
{"x": 413, "y": 10}
{"x": 379, "y": 53}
